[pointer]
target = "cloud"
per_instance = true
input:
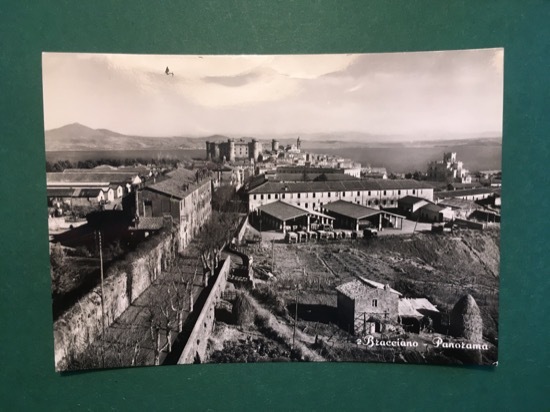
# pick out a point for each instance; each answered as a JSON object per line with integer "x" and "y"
{"x": 400, "y": 93}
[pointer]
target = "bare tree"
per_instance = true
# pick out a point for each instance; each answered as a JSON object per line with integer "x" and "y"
{"x": 216, "y": 233}
{"x": 154, "y": 322}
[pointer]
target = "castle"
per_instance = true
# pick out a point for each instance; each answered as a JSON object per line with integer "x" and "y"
{"x": 448, "y": 169}
{"x": 233, "y": 150}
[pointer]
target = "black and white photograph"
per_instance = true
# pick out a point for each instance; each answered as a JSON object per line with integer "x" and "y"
{"x": 274, "y": 208}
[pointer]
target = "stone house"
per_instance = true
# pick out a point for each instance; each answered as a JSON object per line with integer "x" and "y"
{"x": 366, "y": 306}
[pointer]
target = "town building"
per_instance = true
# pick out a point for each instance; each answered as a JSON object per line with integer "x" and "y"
{"x": 379, "y": 193}
{"x": 184, "y": 197}
{"x": 374, "y": 172}
{"x": 448, "y": 169}
{"x": 462, "y": 208}
{"x": 435, "y": 213}
{"x": 409, "y": 205}
{"x": 88, "y": 187}
{"x": 366, "y": 306}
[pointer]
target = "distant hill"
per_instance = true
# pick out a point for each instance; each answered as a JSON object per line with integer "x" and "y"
{"x": 76, "y": 137}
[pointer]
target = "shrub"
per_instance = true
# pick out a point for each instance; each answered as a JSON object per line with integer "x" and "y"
{"x": 243, "y": 312}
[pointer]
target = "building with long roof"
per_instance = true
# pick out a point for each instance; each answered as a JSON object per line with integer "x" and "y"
{"x": 378, "y": 193}
{"x": 283, "y": 216}
{"x": 352, "y": 216}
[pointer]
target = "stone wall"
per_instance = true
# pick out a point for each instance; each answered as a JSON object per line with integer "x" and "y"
{"x": 242, "y": 229}
{"x": 124, "y": 282}
{"x": 195, "y": 348}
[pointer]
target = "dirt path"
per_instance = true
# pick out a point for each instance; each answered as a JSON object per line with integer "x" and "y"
{"x": 302, "y": 339}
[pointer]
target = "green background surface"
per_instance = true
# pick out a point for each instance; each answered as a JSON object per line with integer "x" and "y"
{"x": 521, "y": 381}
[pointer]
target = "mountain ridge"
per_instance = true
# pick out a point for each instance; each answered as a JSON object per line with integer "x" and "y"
{"x": 79, "y": 137}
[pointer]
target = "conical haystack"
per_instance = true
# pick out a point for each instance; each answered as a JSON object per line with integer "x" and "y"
{"x": 466, "y": 320}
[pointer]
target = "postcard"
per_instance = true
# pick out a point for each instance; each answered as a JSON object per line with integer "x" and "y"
{"x": 274, "y": 208}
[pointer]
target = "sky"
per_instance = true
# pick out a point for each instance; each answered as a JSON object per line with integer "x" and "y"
{"x": 414, "y": 96}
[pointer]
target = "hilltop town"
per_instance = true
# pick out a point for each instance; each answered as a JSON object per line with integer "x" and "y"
{"x": 262, "y": 251}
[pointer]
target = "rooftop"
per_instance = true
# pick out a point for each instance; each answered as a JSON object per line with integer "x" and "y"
{"x": 356, "y": 288}
{"x": 469, "y": 192}
{"x": 432, "y": 208}
{"x": 457, "y": 203}
{"x": 351, "y": 209}
{"x": 335, "y": 186}
{"x": 410, "y": 307}
{"x": 89, "y": 176}
{"x": 284, "y": 211}
{"x": 179, "y": 183}
{"x": 309, "y": 177}
{"x": 411, "y": 200}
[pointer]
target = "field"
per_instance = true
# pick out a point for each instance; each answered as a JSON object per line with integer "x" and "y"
{"x": 439, "y": 267}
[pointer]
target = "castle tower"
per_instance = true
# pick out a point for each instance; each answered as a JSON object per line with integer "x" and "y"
{"x": 208, "y": 151}
{"x": 274, "y": 145}
{"x": 449, "y": 157}
{"x": 231, "y": 143}
{"x": 255, "y": 149}
{"x": 298, "y": 143}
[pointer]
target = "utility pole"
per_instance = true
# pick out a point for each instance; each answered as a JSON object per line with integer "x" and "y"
{"x": 272, "y": 255}
{"x": 102, "y": 302}
{"x": 295, "y": 317}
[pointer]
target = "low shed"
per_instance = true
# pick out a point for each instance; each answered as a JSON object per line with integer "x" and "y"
{"x": 352, "y": 216}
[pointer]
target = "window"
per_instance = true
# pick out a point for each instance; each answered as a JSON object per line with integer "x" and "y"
{"x": 254, "y": 197}
{"x": 343, "y": 194}
{"x": 369, "y": 192}
{"x": 385, "y": 193}
{"x": 399, "y": 192}
{"x": 375, "y": 303}
{"x": 298, "y": 195}
{"x": 269, "y": 196}
{"x": 262, "y": 197}
{"x": 306, "y": 205}
{"x": 368, "y": 203}
{"x": 314, "y": 195}
{"x": 328, "y": 194}
{"x": 358, "y": 193}
{"x": 283, "y": 195}
{"x": 414, "y": 192}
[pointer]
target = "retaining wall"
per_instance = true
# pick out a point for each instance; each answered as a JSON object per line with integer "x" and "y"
{"x": 242, "y": 229}
{"x": 195, "y": 349}
{"x": 124, "y": 282}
